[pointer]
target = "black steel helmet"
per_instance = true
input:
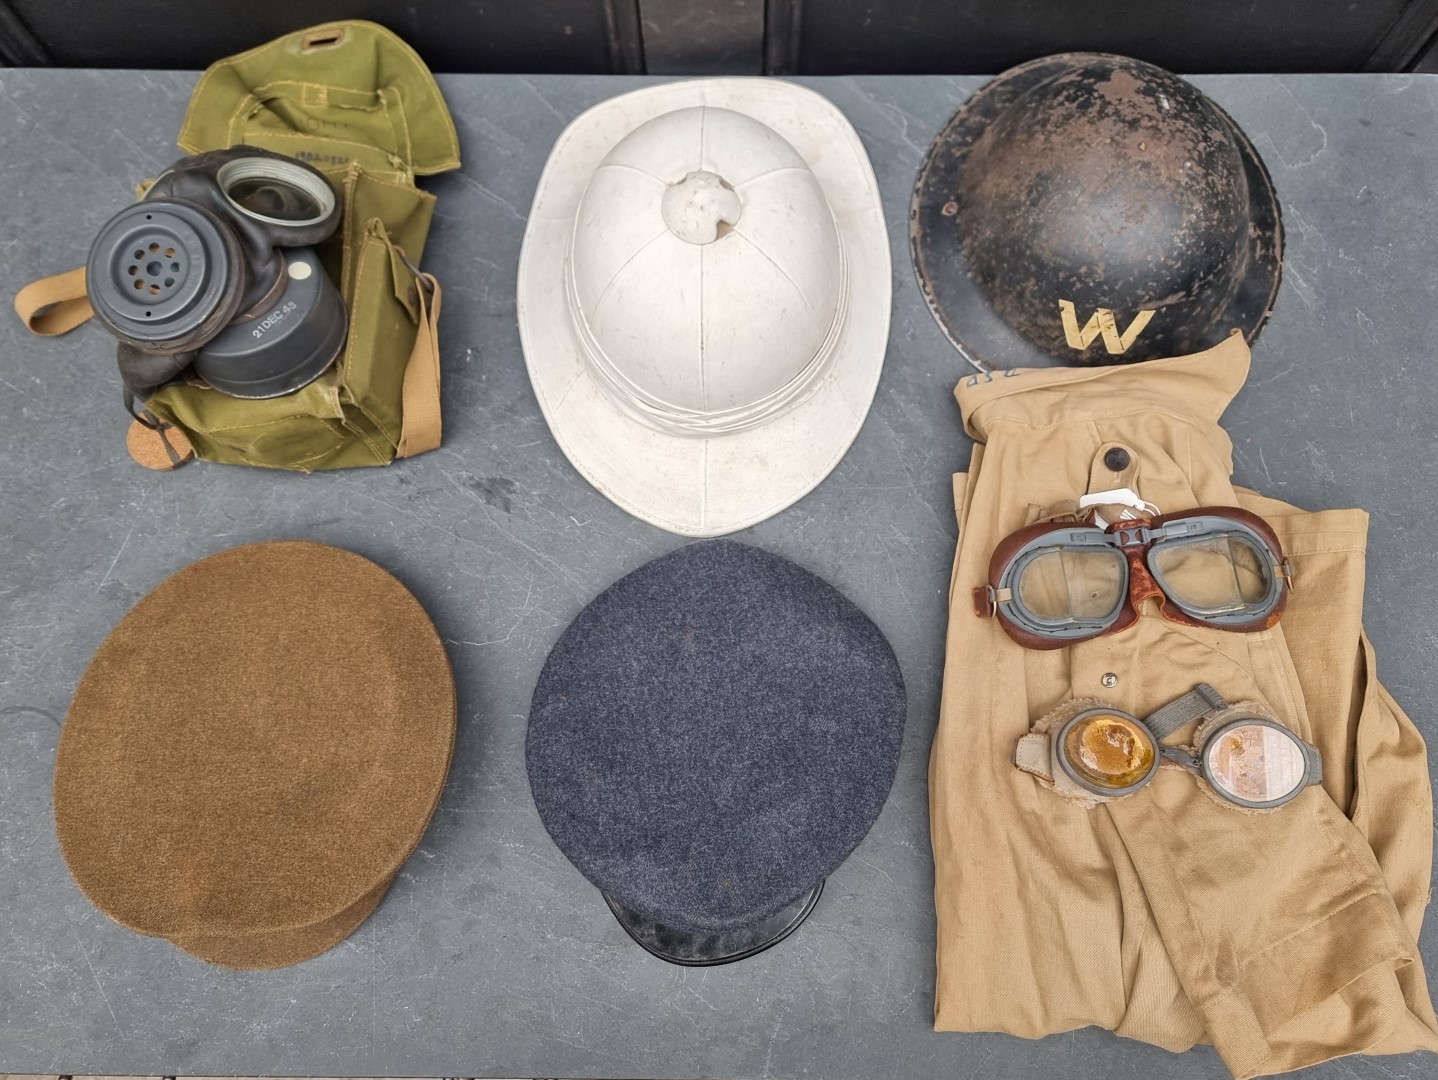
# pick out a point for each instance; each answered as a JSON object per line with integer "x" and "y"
{"x": 1093, "y": 209}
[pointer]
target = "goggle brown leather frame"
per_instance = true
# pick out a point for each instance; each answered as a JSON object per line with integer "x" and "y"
{"x": 1134, "y": 541}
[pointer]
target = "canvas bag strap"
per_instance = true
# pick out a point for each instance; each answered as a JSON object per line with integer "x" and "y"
{"x": 54, "y": 305}
{"x": 420, "y": 423}
{"x": 57, "y": 304}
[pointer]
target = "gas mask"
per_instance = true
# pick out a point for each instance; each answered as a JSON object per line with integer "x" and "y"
{"x": 213, "y": 275}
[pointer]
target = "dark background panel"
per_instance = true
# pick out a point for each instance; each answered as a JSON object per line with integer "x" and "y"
{"x": 985, "y": 36}
{"x": 1427, "y": 60}
{"x": 780, "y": 37}
{"x": 691, "y": 37}
{"x": 577, "y": 36}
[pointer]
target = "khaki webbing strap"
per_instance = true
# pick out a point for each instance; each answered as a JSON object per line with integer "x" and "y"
{"x": 420, "y": 427}
{"x": 1194, "y": 705}
{"x": 54, "y": 305}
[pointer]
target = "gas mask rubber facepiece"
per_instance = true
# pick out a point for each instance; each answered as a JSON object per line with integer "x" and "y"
{"x": 214, "y": 271}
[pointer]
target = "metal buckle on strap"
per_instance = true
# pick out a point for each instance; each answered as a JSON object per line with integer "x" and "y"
{"x": 422, "y": 282}
{"x": 1135, "y": 535}
{"x": 987, "y": 600}
{"x": 1211, "y": 697}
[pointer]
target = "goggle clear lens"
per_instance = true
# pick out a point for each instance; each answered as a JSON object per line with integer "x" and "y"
{"x": 1063, "y": 585}
{"x": 1108, "y": 750}
{"x": 1213, "y": 575}
{"x": 1255, "y": 763}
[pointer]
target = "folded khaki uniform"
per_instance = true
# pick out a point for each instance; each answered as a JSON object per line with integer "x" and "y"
{"x": 1285, "y": 937}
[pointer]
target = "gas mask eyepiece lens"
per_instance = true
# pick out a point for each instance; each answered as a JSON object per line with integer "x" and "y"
{"x": 276, "y": 192}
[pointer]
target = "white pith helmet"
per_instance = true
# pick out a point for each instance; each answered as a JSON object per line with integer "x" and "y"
{"x": 704, "y": 294}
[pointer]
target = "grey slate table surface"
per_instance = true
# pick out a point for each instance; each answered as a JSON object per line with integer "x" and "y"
{"x": 491, "y": 956}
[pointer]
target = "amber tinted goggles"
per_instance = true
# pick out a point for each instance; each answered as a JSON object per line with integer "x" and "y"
{"x": 1246, "y": 757}
{"x": 1053, "y": 584}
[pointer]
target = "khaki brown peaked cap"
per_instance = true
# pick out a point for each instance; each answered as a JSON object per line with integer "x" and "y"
{"x": 254, "y": 751}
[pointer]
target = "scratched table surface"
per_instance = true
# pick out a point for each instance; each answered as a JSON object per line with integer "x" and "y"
{"x": 491, "y": 956}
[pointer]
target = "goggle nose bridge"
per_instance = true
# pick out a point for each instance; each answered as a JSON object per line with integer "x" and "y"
{"x": 1179, "y": 756}
{"x": 1143, "y": 534}
{"x": 1134, "y": 536}
{"x": 1142, "y": 585}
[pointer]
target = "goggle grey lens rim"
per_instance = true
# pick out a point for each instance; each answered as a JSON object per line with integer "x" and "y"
{"x": 1274, "y": 584}
{"x": 1071, "y": 771}
{"x": 1312, "y": 764}
{"x": 1081, "y": 537}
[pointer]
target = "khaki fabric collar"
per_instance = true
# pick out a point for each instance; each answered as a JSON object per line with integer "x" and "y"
{"x": 1198, "y": 386}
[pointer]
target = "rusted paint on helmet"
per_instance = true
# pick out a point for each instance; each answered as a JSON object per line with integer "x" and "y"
{"x": 1093, "y": 209}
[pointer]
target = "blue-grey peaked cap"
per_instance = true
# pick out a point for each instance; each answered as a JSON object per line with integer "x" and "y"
{"x": 713, "y": 735}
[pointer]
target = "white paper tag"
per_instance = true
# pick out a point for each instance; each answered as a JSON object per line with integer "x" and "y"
{"x": 1133, "y": 505}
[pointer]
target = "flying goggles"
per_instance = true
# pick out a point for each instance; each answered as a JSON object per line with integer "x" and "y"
{"x": 1100, "y": 753}
{"x": 1056, "y": 583}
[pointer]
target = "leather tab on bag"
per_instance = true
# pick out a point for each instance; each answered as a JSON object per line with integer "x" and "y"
{"x": 163, "y": 447}
{"x": 56, "y": 304}
{"x": 420, "y": 424}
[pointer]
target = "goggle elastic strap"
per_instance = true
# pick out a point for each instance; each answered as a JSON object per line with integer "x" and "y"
{"x": 1200, "y": 702}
